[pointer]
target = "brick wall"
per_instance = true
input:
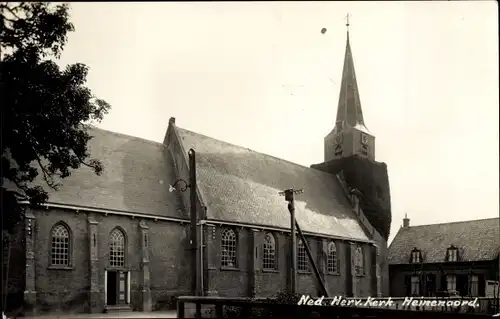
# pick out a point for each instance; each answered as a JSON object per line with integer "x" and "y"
{"x": 170, "y": 261}
{"x": 61, "y": 289}
{"x": 237, "y": 282}
{"x": 67, "y": 289}
{"x": 13, "y": 275}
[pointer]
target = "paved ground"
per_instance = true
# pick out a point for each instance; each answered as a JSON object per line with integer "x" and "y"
{"x": 132, "y": 314}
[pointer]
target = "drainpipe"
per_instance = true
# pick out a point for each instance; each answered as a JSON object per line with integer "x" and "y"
{"x": 202, "y": 246}
{"x": 194, "y": 219}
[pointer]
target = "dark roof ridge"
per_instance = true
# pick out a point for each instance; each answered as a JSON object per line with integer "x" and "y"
{"x": 455, "y": 222}
{"x": 242, "y": 147}
{"x": 126, "y": 135}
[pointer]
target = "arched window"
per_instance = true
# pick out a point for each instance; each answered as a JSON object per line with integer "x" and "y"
{"x": 331, "y": 260}
{"x": 60, "y": 246}
{"x": 269, "y": 256}
{"x": 228, "y": 248}
{"x": 359, "y": 261}
{"x": 117, "y": 248}
{"x": 302, "y": 262}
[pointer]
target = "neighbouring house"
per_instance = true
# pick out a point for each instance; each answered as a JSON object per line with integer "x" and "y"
{"x": 450, "y": 259}
{"x": 122, "y": 239}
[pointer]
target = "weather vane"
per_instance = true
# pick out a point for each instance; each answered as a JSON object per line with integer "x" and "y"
{"x": 323, "y": 30}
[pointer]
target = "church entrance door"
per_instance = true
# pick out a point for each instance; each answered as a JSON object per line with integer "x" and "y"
{"x": 112, "y": 285}
{"x": 117, "y": 288}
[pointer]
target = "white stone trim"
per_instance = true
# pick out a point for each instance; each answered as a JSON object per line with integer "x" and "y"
{"x": 105, "y": 287}
{"x": 210, "y": 221}
{"x": 128, "y": 288}
{"x": 114, "y": 212}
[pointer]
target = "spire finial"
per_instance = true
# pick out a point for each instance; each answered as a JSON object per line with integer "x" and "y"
{"x": 347, "y": 21}
{"x": 406, "y": 215}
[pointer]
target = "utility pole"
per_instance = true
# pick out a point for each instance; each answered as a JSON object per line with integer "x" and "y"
{"x": 498, "y": 274}
{"x": 294, "y": 225}
{"x": 289, "y": 197}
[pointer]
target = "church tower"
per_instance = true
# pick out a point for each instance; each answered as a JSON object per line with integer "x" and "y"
{"x": 350, "y": 155}
{"x": 349, "y": 136}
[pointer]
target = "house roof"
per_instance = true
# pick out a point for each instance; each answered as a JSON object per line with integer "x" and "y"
{"x": 135, "y": 178}
{"x": 241, "y": 185}
{"x": 476, "y": 240}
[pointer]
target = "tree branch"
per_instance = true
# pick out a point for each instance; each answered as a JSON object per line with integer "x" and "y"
{"x": 11, "y": 10}
{"x": 19, "y": 195}
{"x": 85, "y": 164}
{"x": 21, "y": 187}
{"x": 46, "y": 175}
{"x": 10, "y": 20}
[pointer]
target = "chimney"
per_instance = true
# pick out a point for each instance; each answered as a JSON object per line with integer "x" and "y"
{"x": 406, "y": 222}
{"x": 171, "y": 121}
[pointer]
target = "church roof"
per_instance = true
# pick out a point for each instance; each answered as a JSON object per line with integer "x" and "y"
{"x": 241, "y": 185}
{"x": 476, "y": 240}
{"x": 135, "y": 178}
{"x": 238, "y": 185}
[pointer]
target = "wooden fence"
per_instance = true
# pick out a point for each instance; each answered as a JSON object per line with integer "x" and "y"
{"x": 222, "y": 307}
{"x": 443, "y": 304}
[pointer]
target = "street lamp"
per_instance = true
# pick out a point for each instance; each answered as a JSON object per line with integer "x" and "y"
{"x": 171, "y": 188}
{"x": 197, "y": 289}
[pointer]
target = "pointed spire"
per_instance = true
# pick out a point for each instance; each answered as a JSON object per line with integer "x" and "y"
{"x": 349, "y": 108}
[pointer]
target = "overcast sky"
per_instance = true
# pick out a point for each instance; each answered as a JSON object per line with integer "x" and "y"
{"x": 261, "y": 75}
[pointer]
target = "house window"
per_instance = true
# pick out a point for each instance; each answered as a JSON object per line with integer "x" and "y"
{"x": 359, "y": 261}
{"x": 415, "y": 256}
{"x": 331, "y": 261}
{"x": 474, "y": 286}
{"x": 415, "y": 285}
{"x": 228, "y": 248}
{"x": 302, "y": 262}
{"x": 117, "y": 248}
{"x": 60, "y": 244}
{"x": 452, "y": 254}
{"x": 269, "y": 256}
{"x": 451, "y": 283}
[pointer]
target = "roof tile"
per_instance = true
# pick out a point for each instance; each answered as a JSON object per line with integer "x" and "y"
{"x": 241, "y": 185}
{"x": 135, "y": 178}
{"x": 476, "y": 240}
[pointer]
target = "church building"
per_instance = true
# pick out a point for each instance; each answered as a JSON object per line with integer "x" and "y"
{"x": 121, "y": 240}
